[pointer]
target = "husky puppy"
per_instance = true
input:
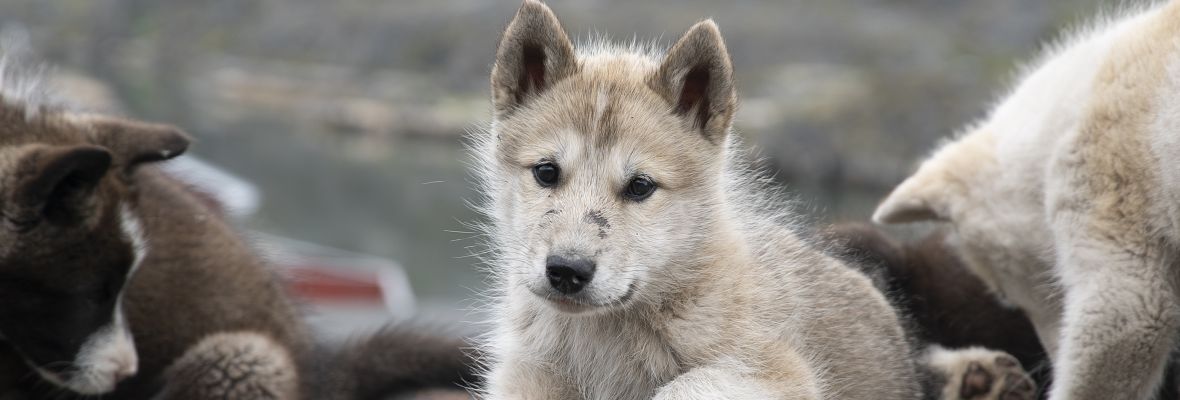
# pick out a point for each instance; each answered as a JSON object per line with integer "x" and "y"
{"x": 636, "y": 256}
{"x": 116, "y": 280}
{"x": 1064, "y": 200}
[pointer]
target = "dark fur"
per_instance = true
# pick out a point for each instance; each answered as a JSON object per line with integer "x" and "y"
{"x": 198, "y": 277}
{"x": 66, "y": 256}
{"x": 396, "y": 359}
{"x": 945, "y": 303}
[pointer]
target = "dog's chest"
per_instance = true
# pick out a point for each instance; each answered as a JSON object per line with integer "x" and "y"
{"x": 616, "y": 360}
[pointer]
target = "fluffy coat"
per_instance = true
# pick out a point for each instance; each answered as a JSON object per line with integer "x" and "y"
{"x": 1064, "y": 201}
{"x": 698, "y": 288}
{"x": 100, "y": 247}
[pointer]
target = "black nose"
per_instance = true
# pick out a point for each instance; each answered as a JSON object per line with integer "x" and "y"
{"x": 567, "y": 275}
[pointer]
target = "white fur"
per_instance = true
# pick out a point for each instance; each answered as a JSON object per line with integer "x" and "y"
{"x": 1074, "y": 225}
{"x": 133, "y": 229}
{"x": 23, "y": 83}
{"x": 1003, "y": 370}
{"x": 108, "y": 355}
{"x": 702, "y": 290}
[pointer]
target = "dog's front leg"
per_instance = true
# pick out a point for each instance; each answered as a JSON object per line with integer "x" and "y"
{"x": 728, "y": 382}
{"x": 1120, "y": 316}
{"x": 519, "y": 378}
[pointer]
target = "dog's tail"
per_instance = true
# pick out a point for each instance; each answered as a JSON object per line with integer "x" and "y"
{"x": 395, "y": 360}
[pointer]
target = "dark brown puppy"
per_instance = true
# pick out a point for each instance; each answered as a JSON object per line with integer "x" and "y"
{"x": 110, "y": 271}
{"x": 116, "y": 280}
{"x": 946, "y": 304}
{"x": 200, "y": 278}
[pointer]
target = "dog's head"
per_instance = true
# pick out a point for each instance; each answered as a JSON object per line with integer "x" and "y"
{"x": 605, "y": 162}
{"x": 992, "y": 213}
{"x": 69, "y": 241}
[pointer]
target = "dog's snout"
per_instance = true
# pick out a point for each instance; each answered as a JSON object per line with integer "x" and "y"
{"x": 569, "y": 275}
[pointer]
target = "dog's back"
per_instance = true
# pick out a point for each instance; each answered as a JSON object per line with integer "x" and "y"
{"x": 199, "y": 278}
{"x": 206, "y": 300}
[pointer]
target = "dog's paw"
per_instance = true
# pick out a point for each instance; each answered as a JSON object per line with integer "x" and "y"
{"x": 436, "y": 394}
{"x": 980, "y": 374}
{"x": 233, "y": 366}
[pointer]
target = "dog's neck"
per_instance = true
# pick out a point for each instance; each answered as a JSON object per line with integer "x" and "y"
{"x": 707, "y": 278}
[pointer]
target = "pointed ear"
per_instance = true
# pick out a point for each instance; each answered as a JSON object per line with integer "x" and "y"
{"x": 909, "y": 203}
{"x": 135, "y": 142}
{"x": 697, "y": 78}
{"x": 533, "y": 54}
{"x": 57, "y": 183}
{"x": 929, "y": 193}
{"x": 945, "y": 182}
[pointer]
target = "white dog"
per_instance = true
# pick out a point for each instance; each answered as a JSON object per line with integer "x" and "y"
{"x": 1065, "y": 200}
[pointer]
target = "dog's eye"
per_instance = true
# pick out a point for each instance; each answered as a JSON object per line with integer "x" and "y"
{"x": 547, "y": 174}
{"x": 640, "y": 188}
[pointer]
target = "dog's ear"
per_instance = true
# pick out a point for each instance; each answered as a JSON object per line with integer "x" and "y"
{"x": 534, "y": 53}
{"x": 912, "y": 201}
{"x": 57, "y": 183}
{"x": 696, "y": 77}
{"x": 134, "y": 142}
{"x": 943, "y": 183}
{"x": 927, "y": 195}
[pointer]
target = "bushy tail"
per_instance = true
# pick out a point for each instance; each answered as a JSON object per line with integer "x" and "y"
{"x": 394, "y": 360}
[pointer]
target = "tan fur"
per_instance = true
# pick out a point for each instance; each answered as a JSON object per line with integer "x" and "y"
{"x": 701, "y": 290}
{"x": 1108, "y": 220}
{"x": 986, "y": 374}
{"x": 954, "y": 169}
{"x": 1076, "y": 223}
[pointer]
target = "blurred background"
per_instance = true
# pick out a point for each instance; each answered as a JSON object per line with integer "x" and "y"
{"x": 346, "y": 117}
